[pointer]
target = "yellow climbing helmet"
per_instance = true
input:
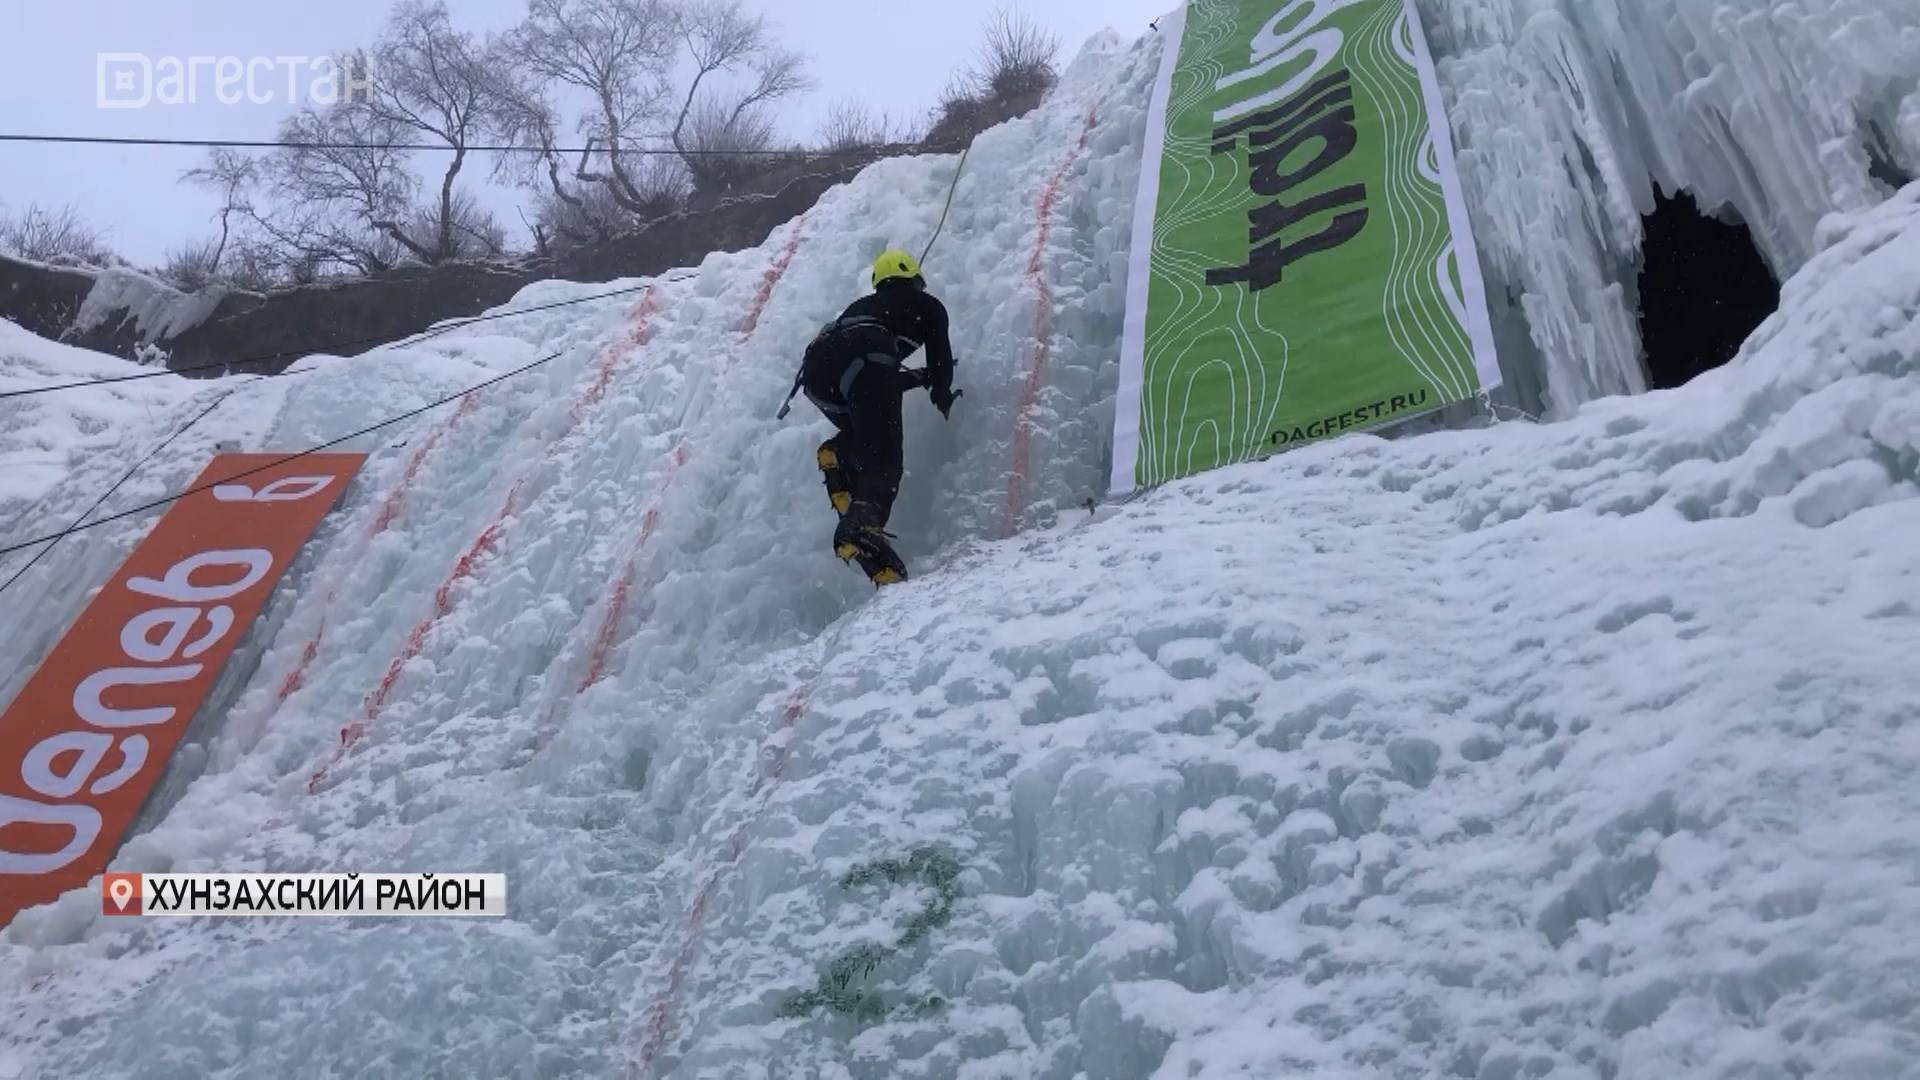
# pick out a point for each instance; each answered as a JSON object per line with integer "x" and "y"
{"x": 895, "y": 264}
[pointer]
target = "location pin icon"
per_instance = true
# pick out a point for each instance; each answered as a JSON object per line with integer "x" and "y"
{"x": 122, "y": 892}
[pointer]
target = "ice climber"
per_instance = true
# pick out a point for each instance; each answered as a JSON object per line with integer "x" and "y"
{"x": 854, "y": 372}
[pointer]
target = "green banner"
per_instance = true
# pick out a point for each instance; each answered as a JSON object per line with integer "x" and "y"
{"x": 1303, "y": 264}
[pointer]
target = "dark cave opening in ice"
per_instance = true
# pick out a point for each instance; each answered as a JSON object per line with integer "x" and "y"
{"x": 1704, "y": 288}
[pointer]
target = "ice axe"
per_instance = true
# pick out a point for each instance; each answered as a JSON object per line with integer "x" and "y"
{"x": 916, "y": 378}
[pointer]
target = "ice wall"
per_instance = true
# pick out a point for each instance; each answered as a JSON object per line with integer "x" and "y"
{"x": 1580, "y": 748}
{"x": 1568, "y": 112}
{"x": 158, "y": 311}
{"x": 568, "y": 602}
{"x": 1377, "y": 759}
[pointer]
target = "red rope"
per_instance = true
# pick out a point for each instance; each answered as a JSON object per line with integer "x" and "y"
{"x": 389, "y": 511}
{"x": 1042, "y": 335}
{"x": 445, "y": 599}
{"x": 616, "y": 606}
{"x": 660, "y": 1015}
{"x": 774, "y": 273}
{"x": 603, "y": 642}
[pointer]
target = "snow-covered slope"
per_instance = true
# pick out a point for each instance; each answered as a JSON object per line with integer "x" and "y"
{"x": 1582, "y": 749}
{"x": 43, "y": 436}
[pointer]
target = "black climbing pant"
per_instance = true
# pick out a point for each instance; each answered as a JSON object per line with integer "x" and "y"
{"x": 852, "y": 375}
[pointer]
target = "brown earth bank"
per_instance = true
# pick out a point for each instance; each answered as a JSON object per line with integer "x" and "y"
{"x": 267, "y": 332}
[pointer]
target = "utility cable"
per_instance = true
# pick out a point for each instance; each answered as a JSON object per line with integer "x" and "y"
{"x": 108, "y": 494}
{"x": 295, "y": 144}
{"x": 329, "y": 348}
{"x": 309, "y": 452}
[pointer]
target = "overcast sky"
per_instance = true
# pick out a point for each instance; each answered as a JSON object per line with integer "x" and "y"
{"x": 895, "y": 55}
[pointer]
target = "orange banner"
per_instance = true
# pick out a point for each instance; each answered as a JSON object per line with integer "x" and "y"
{"x": 90, "y": 734}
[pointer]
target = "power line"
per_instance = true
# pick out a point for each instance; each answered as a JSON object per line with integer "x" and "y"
{"x": 294, "y": 144}
{"x": 309, "y": 452}
{"x": 108, "y": 494}
{"x": 330, "y": 347}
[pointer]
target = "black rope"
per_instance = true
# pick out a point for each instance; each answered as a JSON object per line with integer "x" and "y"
{"x": 296, "y": 354}
{"x": 957, "y": 169}
{"x": 309, "y": 452}
{"x": 279, "y": 144}
{"x": 108, "y": 494}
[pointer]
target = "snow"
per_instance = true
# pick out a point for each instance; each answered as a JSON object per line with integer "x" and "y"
{"x": 159, "y": 311}
{"x": 35, "y": 432}
{"x": 1582, "y": 749}
{"x": 1568, "y": 113}
{"x": 84, "y": 441}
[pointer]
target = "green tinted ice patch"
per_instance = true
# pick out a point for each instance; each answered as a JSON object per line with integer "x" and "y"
{"x": 843, "y": 987}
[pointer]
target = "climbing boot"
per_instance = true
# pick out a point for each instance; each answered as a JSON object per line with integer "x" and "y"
{"x": 859, "y": 540}
{"x": 839, "y": 478}
{"x": 882, "y": 569}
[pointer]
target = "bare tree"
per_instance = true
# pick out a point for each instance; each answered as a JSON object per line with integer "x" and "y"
{"x": 677, "y": 97}
{"x": 580, "y": 206}
{"x": 523, "y": 116}
{"x": 624, "y": 55}
{"x": 722, "y": 38}
{"x": 252, "y": 264}
{"x": 470, "y": 231}
{"x": 340, "y": 195}
{"x": 194, "y": 264}
{"x": 1016, "y": 60}
{"x": 429, "y": 80}
{"x": 1012, "y": 70}
{"x": 232, "y": 176}
{"x": 577, "y": 217}
{"x": 851, "y": 125}
{"x": 620, "y": 53}
{"x": 295, "y": 216}
{"x": 54, "y": 236}
{"x": 239, "y": 255}
{"x": 663, "y": 184}
{"x": 960, "y": 114}
{"x": 339, "y": 190}
{"x": 723, "y": 146}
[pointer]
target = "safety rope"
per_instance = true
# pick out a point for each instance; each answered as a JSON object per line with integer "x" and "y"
{"x": 957, "y": 170}
{"x": 786, "y": 407}
{"x": 1493, "y": 409}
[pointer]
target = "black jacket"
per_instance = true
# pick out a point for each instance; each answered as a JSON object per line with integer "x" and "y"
{"x": 915, "y": 318}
